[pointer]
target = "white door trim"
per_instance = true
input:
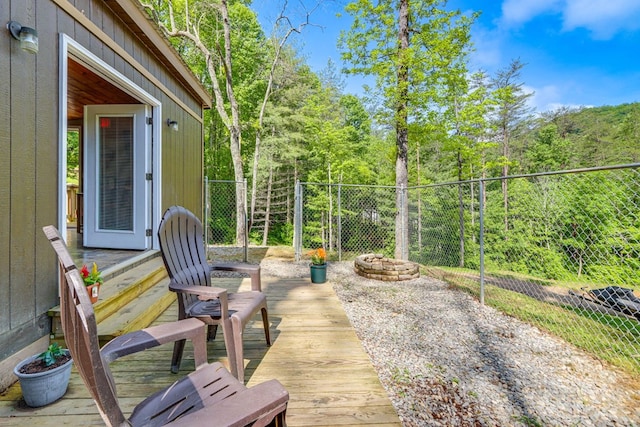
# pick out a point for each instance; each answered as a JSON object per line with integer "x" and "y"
{"x": 69, "y": 47}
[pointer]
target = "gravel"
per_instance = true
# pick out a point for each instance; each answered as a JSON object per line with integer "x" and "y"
{"x": 445, "y": 360}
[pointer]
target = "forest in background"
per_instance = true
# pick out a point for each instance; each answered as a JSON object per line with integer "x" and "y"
{"x": 470, "y": 125}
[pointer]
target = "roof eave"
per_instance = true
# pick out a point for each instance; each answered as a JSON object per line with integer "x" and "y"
{"x": 134, "y": 16}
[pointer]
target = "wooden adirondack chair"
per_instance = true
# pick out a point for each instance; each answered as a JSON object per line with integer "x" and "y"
{"x": 184, "y": 254}
{"x": 208, "y": 396}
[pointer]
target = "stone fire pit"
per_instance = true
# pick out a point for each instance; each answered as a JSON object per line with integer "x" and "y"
{"x": 376, "y": 266}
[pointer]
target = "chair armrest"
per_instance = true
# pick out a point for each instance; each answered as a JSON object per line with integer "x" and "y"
{"x": 260, "y": 402}
{"x": 134, "y": 342}
{"x": 253, "y": 270}
{"x": 204, "y": 292}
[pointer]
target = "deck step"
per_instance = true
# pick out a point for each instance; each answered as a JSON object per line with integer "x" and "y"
{"x": 139, "y": 313}
{"x": 130, "y": 300}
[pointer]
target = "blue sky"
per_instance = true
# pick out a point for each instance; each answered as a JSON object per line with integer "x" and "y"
{"x": 577, "y": 52}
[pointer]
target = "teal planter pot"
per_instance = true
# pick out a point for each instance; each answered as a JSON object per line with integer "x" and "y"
{"x": 318, "y": 273}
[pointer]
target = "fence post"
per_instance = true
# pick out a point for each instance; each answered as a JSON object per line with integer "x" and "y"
{"x": 481, "y": 207}
{"x": 297, "y": 220}
{"x": 339, "y": 241}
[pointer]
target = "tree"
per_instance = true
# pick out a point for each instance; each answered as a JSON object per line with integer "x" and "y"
{"x": 468, "y": 106}
{"x": 207, "y": 26}
{"x": 512, "y": 110}
{"x": 409, "y": 46}
{"x": 548, "y": 152}
{"x": 283, "y": 29}
{"x": 629, "y": 135}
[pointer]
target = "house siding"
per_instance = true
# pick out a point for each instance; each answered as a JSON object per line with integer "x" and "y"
{"x": 29, "y": 149}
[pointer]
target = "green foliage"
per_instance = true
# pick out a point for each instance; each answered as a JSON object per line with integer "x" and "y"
{"x": 548, "y": 152}
{"x": 52, "y": 354}
{"x": 222, "y": 230}
{"x": 73, "y": 164}
{"x": 595, "y": 136}
{"x": 281, "y": 234}
{"x": 461, "y": 125}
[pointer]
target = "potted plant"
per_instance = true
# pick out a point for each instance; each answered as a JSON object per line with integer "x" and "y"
{"x": 44, "y": 378}
{"x": 318, "y": 266}
{"x": 92, "y": 280}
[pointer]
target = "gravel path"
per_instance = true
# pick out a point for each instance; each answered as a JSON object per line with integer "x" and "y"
{"x": 445, "y": 360}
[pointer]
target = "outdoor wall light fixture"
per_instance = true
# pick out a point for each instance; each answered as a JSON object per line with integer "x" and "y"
{"x": 28, "y": 37}
{"x": 173, "y": 125}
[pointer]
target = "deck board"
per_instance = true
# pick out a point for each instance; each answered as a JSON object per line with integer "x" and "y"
{"x": 315, "y": 354}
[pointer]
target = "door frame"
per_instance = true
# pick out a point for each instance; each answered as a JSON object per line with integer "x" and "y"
{"x": 71, "y": 48}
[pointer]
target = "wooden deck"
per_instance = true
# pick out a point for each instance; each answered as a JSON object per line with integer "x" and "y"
{"x": 315, "y": 354}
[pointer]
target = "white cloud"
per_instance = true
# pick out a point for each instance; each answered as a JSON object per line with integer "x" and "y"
{"x": 603, "y": 18}
{"x": 535, "y": 99}
{"x": 488, "y": 49}
{"x": 521, "y": 11}
{"x": 548, "y": 98}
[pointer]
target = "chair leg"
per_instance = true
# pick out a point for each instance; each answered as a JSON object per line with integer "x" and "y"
{"x": 178, "y": 349}
{"x": 265, "y": 323}
{"x": 237, "y": 328}
{"x": 281, "y": 419}
{"x": 211, "y": 334}
{"x": 227, "y": 332}
{"x": 256, "y": 284}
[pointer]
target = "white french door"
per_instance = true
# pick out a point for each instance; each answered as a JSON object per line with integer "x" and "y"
{"x": 116, "y": 159}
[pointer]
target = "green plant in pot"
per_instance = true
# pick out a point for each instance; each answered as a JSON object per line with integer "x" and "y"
{"x": 318, "y": 266}
{"x": 44, "y": 378}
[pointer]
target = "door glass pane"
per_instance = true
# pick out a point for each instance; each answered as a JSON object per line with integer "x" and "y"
{"x": 115, "y": 178}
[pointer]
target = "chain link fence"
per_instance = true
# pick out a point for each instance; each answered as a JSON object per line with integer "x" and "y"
{"x": 221, "y": 218}
{"x": 559, "y": 250}
{"x": 220, "y": 211}
{"x": 552, "y": 249}
{"x": 346, "y": 220}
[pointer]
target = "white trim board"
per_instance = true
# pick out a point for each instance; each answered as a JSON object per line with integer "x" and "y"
{"x": 71, "y": 48}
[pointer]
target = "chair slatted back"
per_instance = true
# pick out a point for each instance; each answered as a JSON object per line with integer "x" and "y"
{"x": 81, "y": 334}
{"x": 181, "y": 241}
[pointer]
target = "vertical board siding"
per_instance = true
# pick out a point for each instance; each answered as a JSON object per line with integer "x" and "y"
{"x": 23, "y": 188}
{"x": 46, "y": 150}
{"x": 29, "y": 151}
{"x": 5, "y": 181}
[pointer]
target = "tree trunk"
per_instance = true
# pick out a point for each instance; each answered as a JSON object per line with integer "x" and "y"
{"x": 330, "y": 224}
{"x": 402, "y": 138}
{"x": 419, "y": 199}
{"x": 460, "y": 212}
{"x": 241, "y": 196}
{"x": 236, "y": 138}
{"x": 505, "y": 185}
{"x": 288, "y": 203}
{"x": 472, "y": 211}
{"x": 267, "y": 209}
{"x": 254, "y": 173}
